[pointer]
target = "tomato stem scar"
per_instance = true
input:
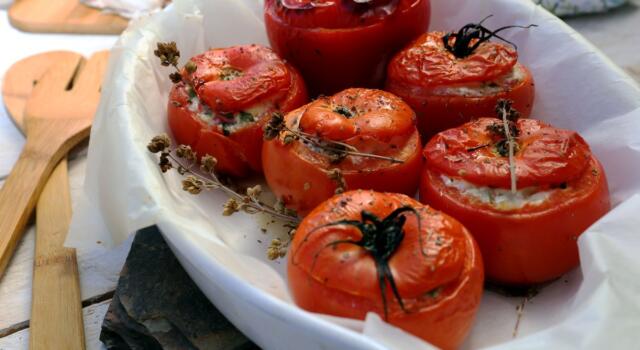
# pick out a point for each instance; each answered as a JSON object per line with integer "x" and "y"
{"x": 472, "y": 35}
{"x": 380, "y": 238}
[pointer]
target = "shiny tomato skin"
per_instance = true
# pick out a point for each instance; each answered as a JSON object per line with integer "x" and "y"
{"x": 438, "y": 70}
{"x": 534, "y": 243}
{"x": 332, "y": 55}
{"x": 342, "y": 281}
{"x": 441, "y": 112}
{"x": 239, "y": 152}
{"x": 299, "y": 175}
{"x": 546, "y": 155}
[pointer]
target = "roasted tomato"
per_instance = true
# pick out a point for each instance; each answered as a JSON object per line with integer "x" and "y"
{"x": 527, "y": 235}
{"x": 358, "y": 139}
{"x": 338, "y": 44}
{"x": 449, "y": 79}
{"x": 366, "y": 251}
{"x": 225, "y": 96}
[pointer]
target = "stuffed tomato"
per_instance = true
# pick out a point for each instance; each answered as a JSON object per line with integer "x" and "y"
{"x": 528, "y": 232}
{"x": 365, "y": 251}
{"x": 338, "y": 44}
{"x": 356, "y": 139}
{"x": 220, "y": 105}
{"x": 450, "y": 78}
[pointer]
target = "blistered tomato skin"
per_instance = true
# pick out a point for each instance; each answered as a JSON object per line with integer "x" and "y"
{"x": 338, "y": 44}
{"x": 372, "y": 121}
{"x": 437, "y": 268}
{"x": 446, "y": 91}
{"x": 526, "y": 241}
{"x": 229, "y": 96}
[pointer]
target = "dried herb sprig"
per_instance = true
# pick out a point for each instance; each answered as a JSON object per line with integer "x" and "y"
{"x": 184, "y": 160}
{"x": 507, "y": 132}
{"x": 169, "y": 54}
{"x": 380, "y": 238}
{"x": 472, "y": 35}
{"x": 278, "y": 247}
{"x": 335, "y": 150}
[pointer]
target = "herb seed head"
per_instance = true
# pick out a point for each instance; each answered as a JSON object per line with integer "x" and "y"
{"x": 230, "y": 207}
{"x": 168, "y": 53}
{"x": 192, "y": 185}
{"x": 208, "y": 163}
{"x": 159, "y": 143}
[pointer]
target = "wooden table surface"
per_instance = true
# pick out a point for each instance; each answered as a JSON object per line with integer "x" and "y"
{"x": 615, "y": 34}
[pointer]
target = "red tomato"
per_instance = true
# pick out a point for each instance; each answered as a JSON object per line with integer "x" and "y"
{"x": 529, "y": 237}
{"x": 338, "y": 44}
{"x": 349, "y": 253}
{"x": 230, "y": 95}
{"x": 372, "y": 121}
{"x": 447, "y": 91}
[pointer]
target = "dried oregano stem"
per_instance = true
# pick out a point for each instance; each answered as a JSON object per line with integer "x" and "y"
{"x": 511, "y": 142}
{"x": 194, "y": 182}
{"x": 335, "y": 150}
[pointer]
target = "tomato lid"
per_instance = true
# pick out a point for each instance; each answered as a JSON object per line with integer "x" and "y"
{"x": 356, "y": 113}
{"x": 427, "y": 63}
{"x": 335, "y": 14}
{"x": 238, "y": 77}
{"x": 544, "y": 155}
{"x": 430, "y": 255}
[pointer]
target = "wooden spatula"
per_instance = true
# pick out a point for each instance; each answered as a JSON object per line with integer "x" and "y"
{"x": 22, "y": 76}
{"x": 56, "y": 303}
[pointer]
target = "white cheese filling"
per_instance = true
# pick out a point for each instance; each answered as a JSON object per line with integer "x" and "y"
{"x": 499, "y": 198}
{"x": 242, "y": 118}
{"x": 511, "y": 79}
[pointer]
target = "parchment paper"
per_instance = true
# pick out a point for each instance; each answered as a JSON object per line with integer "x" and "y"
{"x": 596, "y": 306}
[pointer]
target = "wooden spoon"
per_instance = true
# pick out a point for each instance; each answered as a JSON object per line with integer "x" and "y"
{"x": 56, "y": 303}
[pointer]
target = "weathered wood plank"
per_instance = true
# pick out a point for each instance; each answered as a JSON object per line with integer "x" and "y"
{"x": 92, "y": 315}
{"x": 99, "y": 268}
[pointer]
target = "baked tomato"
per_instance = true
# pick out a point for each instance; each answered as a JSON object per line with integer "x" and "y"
{"x": 356, "y": 139}
{"x": 366, "y": 251}
{"x": 528, "y": 235}
{"x": 225, "y": 96}
{"x": 449, "y": 79}
{"x": 338, "y": 44}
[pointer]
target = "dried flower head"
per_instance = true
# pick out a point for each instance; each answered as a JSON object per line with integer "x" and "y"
{"x": 192, "y": 184}
{"x": 277, "y": 249}
{"x": 254, "y": 192}
{"x": 208, "y": 163}
{"x": 168, "y": 53}
{"x": 185, "y": 152}
{"x": 175, "y": 77}
{"x": 230, "y": 207}
{"x": 159, "y": 143}
{"x": 165, "y": 163}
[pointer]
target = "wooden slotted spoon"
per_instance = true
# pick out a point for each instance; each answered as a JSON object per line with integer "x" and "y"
{"x": 57, "y": 117}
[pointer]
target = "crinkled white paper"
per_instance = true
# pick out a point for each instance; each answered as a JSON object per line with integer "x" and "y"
{"x": 596, "y": 306}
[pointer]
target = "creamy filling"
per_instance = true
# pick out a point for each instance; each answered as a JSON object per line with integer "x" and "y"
{"x": 499, "y": 198}
{"x": 513, "y": 78}
{"x": 230, "y": 122}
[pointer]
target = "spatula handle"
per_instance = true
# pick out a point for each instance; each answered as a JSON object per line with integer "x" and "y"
{"x": 56, "y": 307}
{"x": 20, "y": 192}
